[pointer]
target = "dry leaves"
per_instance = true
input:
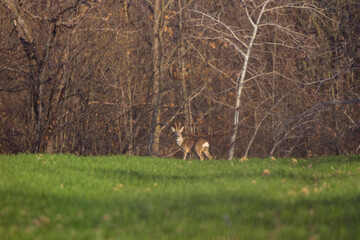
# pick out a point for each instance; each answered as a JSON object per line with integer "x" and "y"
{"x": 266, "y": 172}
{"x": 243, "y": 159}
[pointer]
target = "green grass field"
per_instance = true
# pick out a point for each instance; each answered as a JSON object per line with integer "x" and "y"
{"x": 123, "y": 197}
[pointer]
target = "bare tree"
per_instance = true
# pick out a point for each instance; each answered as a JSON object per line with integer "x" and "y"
{"x": 259, "y": 77}
{"x": 39, "y": 54}
{"x": 243, "y": 41}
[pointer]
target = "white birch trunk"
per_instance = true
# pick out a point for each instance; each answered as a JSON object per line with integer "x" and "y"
{"x": 241, "y": 78}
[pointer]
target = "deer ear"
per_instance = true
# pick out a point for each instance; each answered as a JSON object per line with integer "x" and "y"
{"x": 181, "y": 129}
{"x": 173, "y": 129}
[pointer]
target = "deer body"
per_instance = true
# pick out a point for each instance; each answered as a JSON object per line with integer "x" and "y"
{"x": 199, "y": 144}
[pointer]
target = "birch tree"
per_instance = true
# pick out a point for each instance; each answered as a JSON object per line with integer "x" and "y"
{"x": 241, "y": 77}
{"x": 242, "y": 38}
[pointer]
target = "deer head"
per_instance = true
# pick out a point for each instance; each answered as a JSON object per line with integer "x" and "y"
{"x": 177, "y": 131}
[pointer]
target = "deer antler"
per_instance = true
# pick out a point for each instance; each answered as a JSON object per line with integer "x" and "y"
{"x": 177, "y": 126}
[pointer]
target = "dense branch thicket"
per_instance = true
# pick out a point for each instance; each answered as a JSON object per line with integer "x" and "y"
{"x": 109, "y": 77}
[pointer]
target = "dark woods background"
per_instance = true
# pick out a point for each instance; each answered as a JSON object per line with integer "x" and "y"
{"x": 109, "y": 77}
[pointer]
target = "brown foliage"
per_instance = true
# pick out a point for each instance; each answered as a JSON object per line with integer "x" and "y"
{"x": 78, "y": 77}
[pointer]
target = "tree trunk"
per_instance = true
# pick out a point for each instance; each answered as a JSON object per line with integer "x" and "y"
{"x": 240, "y": 82}
{"x": 156, "y": 98}
{"x": 187, "y": 109}
{"x": 27, "y": 41}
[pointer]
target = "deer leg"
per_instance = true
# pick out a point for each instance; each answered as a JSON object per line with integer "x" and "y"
{"x": 198, "y": 149}
{"x": 184, "y": 156}
{"x": 200, "y": 155}
{"x": 206, "y": 151}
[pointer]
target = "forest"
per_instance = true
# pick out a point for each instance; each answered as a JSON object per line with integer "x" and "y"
{"x": 254, "y": 77}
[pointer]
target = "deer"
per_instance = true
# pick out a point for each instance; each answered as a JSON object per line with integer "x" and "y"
{"x": 199, "y": 144}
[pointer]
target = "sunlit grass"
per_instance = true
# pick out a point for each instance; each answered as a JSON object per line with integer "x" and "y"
{"x": 121, "y": 197}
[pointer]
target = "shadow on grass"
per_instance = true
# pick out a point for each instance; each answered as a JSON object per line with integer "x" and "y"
{"x": 193, "y": 212}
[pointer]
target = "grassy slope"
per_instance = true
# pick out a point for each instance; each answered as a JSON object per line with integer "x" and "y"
{"x": 119, "y": 197}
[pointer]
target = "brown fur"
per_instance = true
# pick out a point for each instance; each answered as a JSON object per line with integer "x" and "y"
{"x": 192, "y": 142}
